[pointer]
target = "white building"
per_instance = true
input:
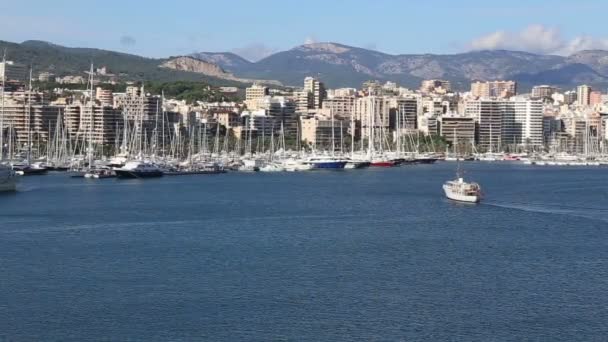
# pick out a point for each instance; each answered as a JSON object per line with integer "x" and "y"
{"x": 517, "y": 121}
{"x": 11, "y": 71}
{"x": 373, "y": 113}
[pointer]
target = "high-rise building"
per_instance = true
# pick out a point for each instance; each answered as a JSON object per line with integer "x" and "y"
{"x": 317, "y": 131}
{"x": 374, "y": 114}
{"x": 543, "y": 91}
{"x": 405, "y": 114}
{"x": 522, "y": 122}
{"x": 104, "y": 96}
{"x": 457, "y": 129}
{"x": 440, "y": 86}
{"x": 570, "y": 97}
{"x": 303, "y": 101}
{"x": 595, "y": 98}
{"x": 11, "y": 71}
{"x": 253, "y": 94}
{"x": 517, "y": 121}
{"x": 46, "y": 77}
{"x": 25, "y": 116}
{"x": 281, "y": 113}
{"x": 95, "y": 123}
{"x": 583, "y": 95}
{"x": 340, "y": 106}
{"x": 317, "y": 89}
{"x": 137, "y": 105}
{"x": 500, "y": 89}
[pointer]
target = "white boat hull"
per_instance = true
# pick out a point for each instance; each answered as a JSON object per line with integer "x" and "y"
{"x": 460, "y": 197}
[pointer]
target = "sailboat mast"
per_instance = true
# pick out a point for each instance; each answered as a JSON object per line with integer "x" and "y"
{"x": 29, "y": 120}
{"x": 333, "y": 138}
{"x": 90, "y": 147}
{"x": 2, "y": 106}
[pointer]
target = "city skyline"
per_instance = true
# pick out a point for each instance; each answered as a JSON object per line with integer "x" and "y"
{"x": 254, "y": 31}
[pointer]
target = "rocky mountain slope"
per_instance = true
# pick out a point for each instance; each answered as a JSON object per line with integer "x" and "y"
{"x": 341, "y": 65}
{"x": 194, "y": 65}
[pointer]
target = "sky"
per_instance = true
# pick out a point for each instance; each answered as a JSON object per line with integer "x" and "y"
{"x": 255, "y": 29}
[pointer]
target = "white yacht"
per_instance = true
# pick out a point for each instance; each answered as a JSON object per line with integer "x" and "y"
{"x": 273, "y": 167}
{"x": 459, "y": 190}
{"x": 8, "y": 179}
{"x": 294, "y": 165}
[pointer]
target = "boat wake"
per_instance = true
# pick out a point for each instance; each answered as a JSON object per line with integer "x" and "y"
{"x": 592, "y": 213}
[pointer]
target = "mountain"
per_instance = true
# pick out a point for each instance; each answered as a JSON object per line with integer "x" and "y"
{"x": 340, "y": 65}
{"x": 226, "y": 60}
{"x": 596, "y": 59}
{"x": 194, "y": 65}
{"x": 60, "y": 60}
{"x": 568, "y": 74}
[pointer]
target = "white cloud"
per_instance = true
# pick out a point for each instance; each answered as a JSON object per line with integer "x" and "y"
{"x": 310, "y": 40}
{"x": 537, "y": 39}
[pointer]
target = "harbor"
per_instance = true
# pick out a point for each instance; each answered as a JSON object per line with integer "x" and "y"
{"x": 282, "y": 255}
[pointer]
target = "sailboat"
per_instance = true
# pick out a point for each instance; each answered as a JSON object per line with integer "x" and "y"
{"x": 8, "y": 179}
{"x": 27, "y": 168}
{"x": 355, "y": 162}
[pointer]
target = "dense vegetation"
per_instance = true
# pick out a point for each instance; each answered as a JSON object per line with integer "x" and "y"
{"x": 188, "y": 91}
{"x": 61, "y": 61}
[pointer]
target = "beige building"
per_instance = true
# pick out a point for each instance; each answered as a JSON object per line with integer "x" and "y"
{"x": 317, "y": 131}
{"x": 583, "y": 95}
{"x": 543, "y": 91}
{"x": 373, "y": 112}
{"x": 436, "y": 86}
{"x": 98, "y": 123}
{"x": 317, "y": 91}
{"x": 340, "y": 106}
{"x": 500, "y": 89}
{"x": 303, "y": 101}
{"x": 227, "y": 119}
{"x": 104, "y": 96}
{"x": 19, "y": 118}
{"x": 254, "y": 94}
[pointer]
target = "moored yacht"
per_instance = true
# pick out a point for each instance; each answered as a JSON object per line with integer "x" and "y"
{"x": 100, "y": 173}
{"x": 26, "y": 169}
{"x": 138, "y": 169}
{"x": 327, "y": 163}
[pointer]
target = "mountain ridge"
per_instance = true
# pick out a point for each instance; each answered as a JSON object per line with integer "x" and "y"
{"x": 338, "y": 65}
{"x": 343, "y": 65}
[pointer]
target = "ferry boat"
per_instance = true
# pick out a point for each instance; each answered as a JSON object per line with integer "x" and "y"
{"x": 8, "y": 179}
{"x": 138, "y": 169}
{"x": 459, "y": 190}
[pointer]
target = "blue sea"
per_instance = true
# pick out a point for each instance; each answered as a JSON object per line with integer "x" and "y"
{"x": 357, "y": 255}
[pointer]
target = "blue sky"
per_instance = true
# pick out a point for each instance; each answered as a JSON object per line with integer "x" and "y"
{"x": 255, "y": 28}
